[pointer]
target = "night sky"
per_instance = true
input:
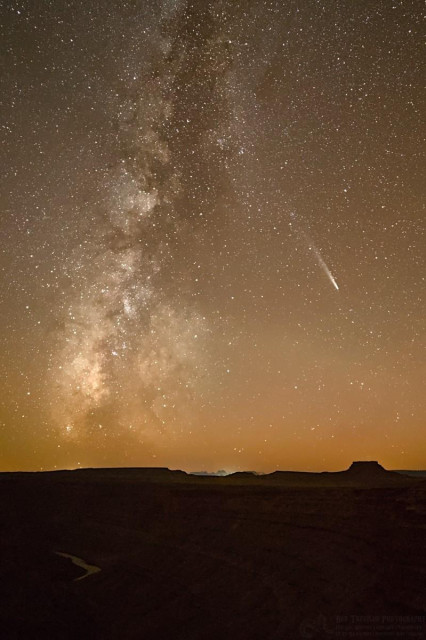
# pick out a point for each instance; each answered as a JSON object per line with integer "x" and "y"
{"x": 211, "y": 243}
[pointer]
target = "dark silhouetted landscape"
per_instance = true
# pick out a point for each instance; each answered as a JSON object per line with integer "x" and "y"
{"x": 153, "y": 553}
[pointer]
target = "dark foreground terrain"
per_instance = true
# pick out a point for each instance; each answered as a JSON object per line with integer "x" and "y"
{"x": 282, "y": 556}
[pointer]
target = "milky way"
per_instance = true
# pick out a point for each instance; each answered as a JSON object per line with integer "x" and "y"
{"x": 211, "y": 235}
{"x": 129, "y": 351}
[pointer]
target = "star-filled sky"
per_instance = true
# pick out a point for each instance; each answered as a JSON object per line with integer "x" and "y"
{"x": 211, "y": 234}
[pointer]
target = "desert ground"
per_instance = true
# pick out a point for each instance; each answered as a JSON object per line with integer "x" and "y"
{"x": 163, "y": 554}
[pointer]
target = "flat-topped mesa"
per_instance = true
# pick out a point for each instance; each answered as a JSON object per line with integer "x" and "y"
{"x": 370, "y": 472}
{"x": 367, "y": 468}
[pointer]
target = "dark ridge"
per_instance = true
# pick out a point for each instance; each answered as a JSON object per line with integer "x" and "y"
{"x": 242, "y": 474}
{"x": 125, "y": 474}
{"x": 368, "y": 472}
{"x": 360, "y": 473}
{"x": 411, "y": 472}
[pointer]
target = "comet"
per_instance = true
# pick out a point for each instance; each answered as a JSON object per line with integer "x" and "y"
{"x": 312, "y": 247}
{"x": 324, "y": 267}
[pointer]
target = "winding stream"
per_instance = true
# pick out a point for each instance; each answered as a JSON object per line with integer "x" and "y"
{"x": 89, "y": 568}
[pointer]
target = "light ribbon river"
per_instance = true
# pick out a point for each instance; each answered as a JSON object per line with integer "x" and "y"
{"x": 89, "y": 568}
